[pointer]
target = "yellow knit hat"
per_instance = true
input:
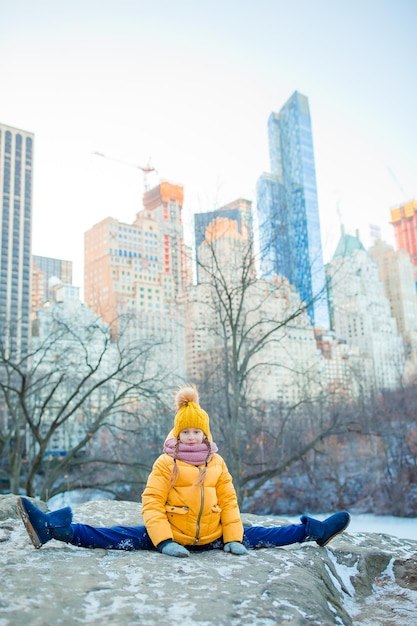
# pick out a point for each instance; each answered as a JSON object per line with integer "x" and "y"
{"x": 189, "y": 412}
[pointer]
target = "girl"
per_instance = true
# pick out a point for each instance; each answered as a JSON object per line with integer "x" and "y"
{"x": 189, "y": 503}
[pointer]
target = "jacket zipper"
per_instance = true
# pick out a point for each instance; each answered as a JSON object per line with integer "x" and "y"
{"x": 197, "y": 533}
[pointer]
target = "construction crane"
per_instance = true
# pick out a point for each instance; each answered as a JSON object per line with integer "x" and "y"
{"x": 397, "y": 182}
{"x": 147, "y": 169}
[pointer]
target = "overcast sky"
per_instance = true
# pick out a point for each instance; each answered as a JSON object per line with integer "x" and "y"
{"x": 190, "y": 85}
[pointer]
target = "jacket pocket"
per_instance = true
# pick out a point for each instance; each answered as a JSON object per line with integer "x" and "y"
{"x": 176, "y": 510}
{"x": 212, "y": 520}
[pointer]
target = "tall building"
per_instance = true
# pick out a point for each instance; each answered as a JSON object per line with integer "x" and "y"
{"x": 287, "y": 209}
{"x": 164, "y": 204}
{"x": 134, "y": 275}
{"x": 396, "y": 273}
{"x": 69, "y": 341}
{"x": 286, "y": 367}
{"x": 404, "y": 221}
{"x": 16, "y": 164}
{"x": 240, "y": 211}
{"x": 45, "y": 270}
{"x": 340, "y": 364}
{"x": 361, "y": 315}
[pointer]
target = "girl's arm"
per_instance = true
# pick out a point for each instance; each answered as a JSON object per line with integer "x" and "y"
{"x": 154, "y": 499}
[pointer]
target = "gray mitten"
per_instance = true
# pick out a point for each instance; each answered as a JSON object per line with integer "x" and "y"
{"x": 235, "y": 548}
{"x": 174, "y": 549}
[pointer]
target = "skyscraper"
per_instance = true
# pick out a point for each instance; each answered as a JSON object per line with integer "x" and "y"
{"x": 287, "y": 208}
{"x": 230, "y": 310}
{"x": 239, "y": 210}
{"x": 361, "y": 315}
{"x": 43, "y": 270}
{"x": 396, "y": 273}
{"x": 134, "y": 275}
{"x": 16, "y": 160}
{"x": 404, "y": 221}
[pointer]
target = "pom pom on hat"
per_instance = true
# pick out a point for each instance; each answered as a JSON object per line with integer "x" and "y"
{"x": 189, "y": 412}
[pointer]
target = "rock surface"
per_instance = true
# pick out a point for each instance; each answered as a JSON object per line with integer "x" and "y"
{"x": 361, "y": 579}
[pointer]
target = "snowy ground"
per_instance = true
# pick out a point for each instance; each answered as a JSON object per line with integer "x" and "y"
{"x": 369, "y": 577}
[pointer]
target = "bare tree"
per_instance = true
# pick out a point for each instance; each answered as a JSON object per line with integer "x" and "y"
{"x": 394, "y": 423}
{"x": 243, "y": 329}
{"x": 74, "y": 383}
{"x": 370, "y": 467}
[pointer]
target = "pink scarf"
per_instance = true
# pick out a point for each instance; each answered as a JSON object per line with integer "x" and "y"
{"x": 195, "y": 455}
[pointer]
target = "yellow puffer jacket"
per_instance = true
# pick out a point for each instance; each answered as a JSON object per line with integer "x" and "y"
{"x": 191, "y": 514}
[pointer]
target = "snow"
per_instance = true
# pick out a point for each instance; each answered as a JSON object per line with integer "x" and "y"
{"x": 346, "y": 575}
{"x": 95, "y": 587}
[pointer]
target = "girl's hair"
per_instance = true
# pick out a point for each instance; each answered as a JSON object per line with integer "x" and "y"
{"x": 203, "y": 472}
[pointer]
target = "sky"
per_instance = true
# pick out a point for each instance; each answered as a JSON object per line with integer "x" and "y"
{"x": 188, "y": 87}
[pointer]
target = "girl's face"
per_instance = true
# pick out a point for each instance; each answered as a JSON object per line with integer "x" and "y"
{"x": 190, "y": 436}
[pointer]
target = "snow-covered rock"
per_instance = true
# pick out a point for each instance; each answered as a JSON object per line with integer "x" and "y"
{"x": 361, "y": 578}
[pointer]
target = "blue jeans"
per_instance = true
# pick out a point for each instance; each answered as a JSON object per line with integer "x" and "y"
{"x": 137, "y": 538}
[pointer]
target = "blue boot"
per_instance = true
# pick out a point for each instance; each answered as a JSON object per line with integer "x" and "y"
{"x": 323, "y": 532}
{"x": 42, "y": 527}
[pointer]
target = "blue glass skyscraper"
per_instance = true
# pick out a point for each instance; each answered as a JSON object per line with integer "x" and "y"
{"x": 287, "y": 209}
